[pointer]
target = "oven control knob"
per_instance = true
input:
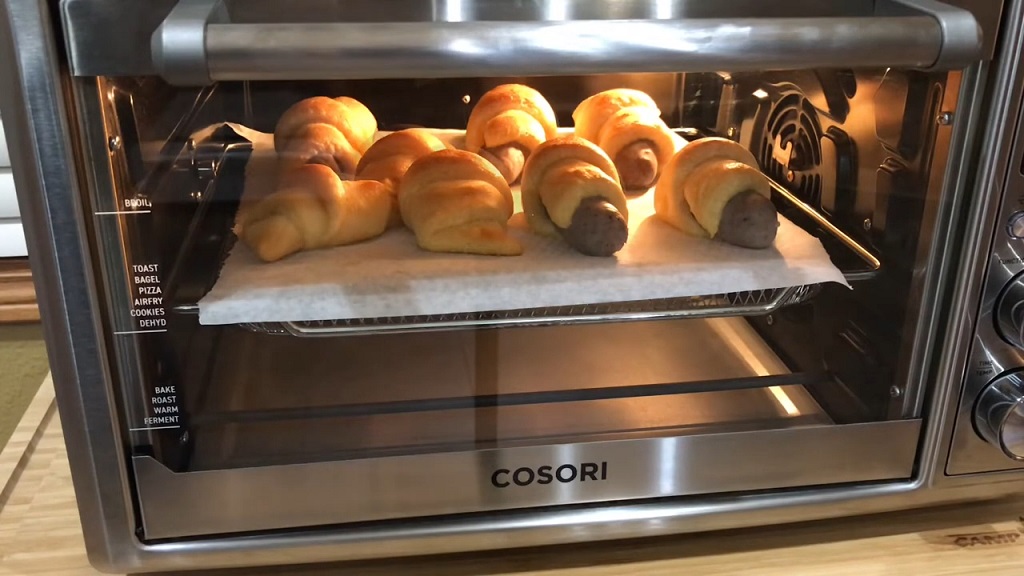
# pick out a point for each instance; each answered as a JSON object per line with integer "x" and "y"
{"x": 1010, "y": 312}
{"x": 999, "y": 414}
{"x": 1015, "y": 227}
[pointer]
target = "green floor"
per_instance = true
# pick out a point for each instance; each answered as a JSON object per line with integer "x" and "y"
{"x": 23, "y": 367}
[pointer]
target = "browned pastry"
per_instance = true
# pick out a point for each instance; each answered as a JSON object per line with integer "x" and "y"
{"x": 571, "y": 189}
{"x": 334, "y": 132}
{"x": 455, "y": 201}
{"x": 388, "y": 159}
{"x": 313, "y": 208}
{"x": 507, "y": 124}
{"x": 713, "y": 188}
{"x": 627, "y": 125}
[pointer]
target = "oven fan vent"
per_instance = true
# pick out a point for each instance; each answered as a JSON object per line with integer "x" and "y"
{"x": 789, "y": 149}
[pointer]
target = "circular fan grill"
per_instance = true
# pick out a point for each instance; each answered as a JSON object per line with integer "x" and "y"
{"x": 789, "y": 150}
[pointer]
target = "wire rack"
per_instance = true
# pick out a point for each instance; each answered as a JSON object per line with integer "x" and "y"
{"x": 747, "y": 303}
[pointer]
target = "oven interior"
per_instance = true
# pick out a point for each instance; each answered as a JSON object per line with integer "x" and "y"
{"x": 856, "y": 150}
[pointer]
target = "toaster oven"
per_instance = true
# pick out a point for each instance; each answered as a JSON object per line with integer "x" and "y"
{"x": 327, "y": 281}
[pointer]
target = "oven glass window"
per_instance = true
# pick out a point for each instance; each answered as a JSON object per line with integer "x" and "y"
{"x": 304, "y": 272}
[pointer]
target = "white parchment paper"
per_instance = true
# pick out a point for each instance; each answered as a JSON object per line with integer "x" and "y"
{"x": 391, "y": 276}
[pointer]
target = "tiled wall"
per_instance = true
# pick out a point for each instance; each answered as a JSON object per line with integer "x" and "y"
{"x": 12, "y": 239}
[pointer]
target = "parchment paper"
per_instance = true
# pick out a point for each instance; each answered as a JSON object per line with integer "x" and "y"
{"x": 391, "y": 276}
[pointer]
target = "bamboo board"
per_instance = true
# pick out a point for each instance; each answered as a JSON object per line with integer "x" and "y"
{"x": 40, "y": 535}
{"x": 17, "y": 294}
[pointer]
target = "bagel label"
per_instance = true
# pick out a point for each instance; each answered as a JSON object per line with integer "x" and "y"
{"x": 549, "y": 474}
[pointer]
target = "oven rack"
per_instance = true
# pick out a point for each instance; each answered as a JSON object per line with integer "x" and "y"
{"x": 854, "y": 260}
{"x": 748, "y": 303}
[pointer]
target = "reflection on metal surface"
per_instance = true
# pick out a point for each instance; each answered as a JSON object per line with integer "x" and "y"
{"x": 747, "y": 351}
{"x": 784, "y": 400}
{"x": 260, "y": 439}
{"x": 219, "y": 501}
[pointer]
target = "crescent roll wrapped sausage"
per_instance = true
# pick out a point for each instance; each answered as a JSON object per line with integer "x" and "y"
{"x": 713, "y": 188}
{"x": 627, "y": 125}
{"x": 455, "y": 201}
{"x": 388, "y": 159}
{"x": 334, "y": 132}
{"x": 571, "y": 189}
{"x": 313, "y": 208}
{"x": 507, "y": 124}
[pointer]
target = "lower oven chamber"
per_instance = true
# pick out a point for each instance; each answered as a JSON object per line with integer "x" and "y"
{"x": 220, "y": 445}
{"x": 462, "y": 424}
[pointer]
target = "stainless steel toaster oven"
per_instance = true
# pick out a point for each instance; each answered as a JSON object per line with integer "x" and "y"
{"x": 332, "y": 280}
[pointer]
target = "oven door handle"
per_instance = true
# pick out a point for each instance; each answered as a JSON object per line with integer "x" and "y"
{"x": 198, "y": 43}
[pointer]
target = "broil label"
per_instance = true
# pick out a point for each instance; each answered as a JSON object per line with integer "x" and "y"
{"x": 547, "y": 474}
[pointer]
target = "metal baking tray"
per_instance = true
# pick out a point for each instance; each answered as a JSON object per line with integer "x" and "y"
{"x": 854, "y": 260}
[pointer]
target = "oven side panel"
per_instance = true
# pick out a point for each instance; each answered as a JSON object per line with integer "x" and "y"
{"x": 989, "y": 14}
{"x": 37, "y": 119}
{"x": 994, "y": 263}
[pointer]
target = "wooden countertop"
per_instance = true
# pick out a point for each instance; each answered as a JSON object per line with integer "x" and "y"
{"x": 40, "y": 534}
{"x": 17, "y": 294}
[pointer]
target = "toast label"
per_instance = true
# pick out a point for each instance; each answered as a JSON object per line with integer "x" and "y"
{"x": 147, "y": 307}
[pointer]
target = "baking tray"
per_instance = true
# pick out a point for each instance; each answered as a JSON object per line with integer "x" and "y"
{"x": 854, "y": 261}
